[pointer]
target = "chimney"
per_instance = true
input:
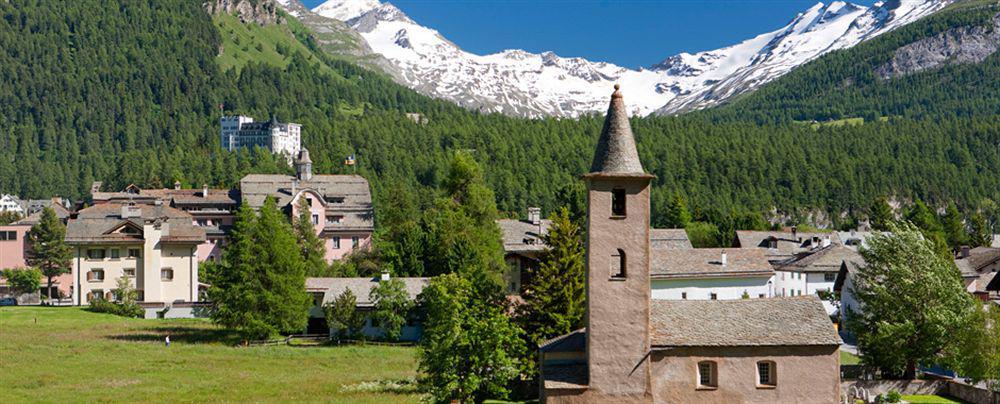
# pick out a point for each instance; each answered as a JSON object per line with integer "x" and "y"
{"x": 724, "y": 259}
{"x": 827, "y": 241}
{"x": 177, "y": 185}
{"x": 130, "y": 211}
{"x": 965, "y": 252}
{"x": 204, "y": 190}
{"x": 535, "y": 216}
{"x": 385, "y": 276}
{"x": 795, "y": 233}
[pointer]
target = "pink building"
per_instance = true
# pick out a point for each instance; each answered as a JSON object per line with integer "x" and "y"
{"x": 14, "y": 249}
{"x": 340, "y": 205}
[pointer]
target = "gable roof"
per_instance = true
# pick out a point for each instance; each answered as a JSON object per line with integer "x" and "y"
{"x": 669, "y": 239}
{"x": 788, "y": 244}
{"x": 707, "y": 263}
{"x": 97, "y": 223}
{"x": 778, "y": 321}
{"x": 360, "y": 287}
{"x": 825, "y": 259}
{"x": 522, "y": 235}
{"x": 574, "y": 341}
{"x": 979, "y": 258}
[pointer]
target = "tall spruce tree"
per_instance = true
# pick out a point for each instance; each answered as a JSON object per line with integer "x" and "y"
{"x": 286, "y": 302}
{"x": 47, "y": 249}
{"x": 310, "y": 246}
{"x": 676, "y": 215}
{"x": 979, "y": 231}
{"x": 881, "y": 214}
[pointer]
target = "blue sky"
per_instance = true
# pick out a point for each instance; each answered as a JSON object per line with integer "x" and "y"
{"x": 631, "y": 33}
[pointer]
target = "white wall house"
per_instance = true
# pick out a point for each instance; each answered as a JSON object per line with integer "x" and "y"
{"x": 10, "y": 203}
{"x": 710, "y": 274}
{"x": 326, "y": 290}
{"x": 813, "y": 272}
{"x": 845, "y": 286}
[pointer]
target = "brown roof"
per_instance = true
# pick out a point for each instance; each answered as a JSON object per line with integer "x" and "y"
{"x": 669, "y": 239}
{"x": 95, "y": 224}
{"x": 168, "y": 195}
{"x": 826, "y": 259}
{"x": 787, "y": 243}
{"x": 978, "y": 259}
{"x": 707, "y": 263}
{"x": 616, "y": 153}
{"x": 778, "y": 321}
{"x": 522, "y": 235}
{"x": 361, "y": 287}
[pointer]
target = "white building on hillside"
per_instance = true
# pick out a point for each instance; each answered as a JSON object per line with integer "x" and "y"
{"x": 813, "y": 272}
{"x": 10, "y": 203}
{"x": 710, "y": 274}
{"x": 241, "y": 131}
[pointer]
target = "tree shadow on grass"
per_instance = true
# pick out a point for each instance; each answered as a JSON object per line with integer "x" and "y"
{"x": 181, "y": 334}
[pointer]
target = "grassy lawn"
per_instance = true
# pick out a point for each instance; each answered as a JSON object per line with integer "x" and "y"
{"x": 926, "y": 399}
{"x": 847, "y": 358}
{"x": 67, "y": 354}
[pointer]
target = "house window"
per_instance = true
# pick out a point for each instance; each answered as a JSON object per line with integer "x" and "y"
{"x": 130, "y": 272}
{"x": 618, "y": 202}
{"x": 713, "y": 296}
{"x": 95, "y": 254}
{"x": 760, "y": 295}
{"x": 133, "y": 253}
{"x": 95, "y": 294}
{"x": 95, "y": 275}
{"x": 315, "y": 219}
{"x": 618, "y": 264}
{"x": 766, "y": 374}
{"x": 334, "y": 219}
{"x": 684, "y": 295}
{"x": 707, "y": 374}
{"x": 167, "y": 274}
{"x": 355, "y": 241}
{"x": 772, "y": 244}
{"x": 829, "y": 277}
{"x": 8, "y": 236}
{"x": 336, "y": 242}
{"x": 116, "y": 253}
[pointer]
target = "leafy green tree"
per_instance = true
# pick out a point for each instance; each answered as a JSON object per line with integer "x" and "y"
{"x": 554, "y": 298}
{"x": 261, "y": 289}
{"x": 47, "y": 249}
{"x": 881, "y": 216}
{"x": 977, "y": 357}
{"x": 911, "y": 303}
{"x": 8, "y": 217}
{"x": 23, "y": 280}
{"x": 677, "y": 215}
{"x": 342, "y": 314}
{"x": 470, "y": 346}
{"x": 392, "y": 307}
{"x": 310, "y": 246}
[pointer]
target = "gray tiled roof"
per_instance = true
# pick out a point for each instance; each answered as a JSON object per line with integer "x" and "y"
{"x": 356, "y": 206}
{"x": 361, "y": 287}
{"x": 826, "y": 259}
{"x": 522, "y": 235}
{"x": 707, "y": 263}
{"x": 574, "y": 341}
{"x": 778, "y": 321}
{"x": 788, "y": 244}
{"x": 92, "y": 225}
{"x": 669, "y": 239}
{"x": 979, "y": 258}
{"x": 616, "y": 153}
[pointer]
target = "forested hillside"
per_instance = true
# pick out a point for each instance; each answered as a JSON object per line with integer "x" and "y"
{"x": 129, "y": 92}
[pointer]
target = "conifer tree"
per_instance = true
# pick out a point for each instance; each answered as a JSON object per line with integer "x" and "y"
{"x": 310, "y": 246}
{"x": 881, "y": 215}
{"x": 979, "y": 232}
{"x": 286, "y": 303}
{"x": 677, "y": 215}
{"x": 392, "y": 307}
{"x": 47, "y": 249}
{"x": 954, "y": 228}
{"x": 342, "y": 314}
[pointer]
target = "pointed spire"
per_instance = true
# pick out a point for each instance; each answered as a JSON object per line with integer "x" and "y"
{"x": 616, "y": 153}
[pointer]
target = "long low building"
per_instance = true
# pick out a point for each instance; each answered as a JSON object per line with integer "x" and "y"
{"x": 710, "y": 274}
{"x": 326, "y": 290}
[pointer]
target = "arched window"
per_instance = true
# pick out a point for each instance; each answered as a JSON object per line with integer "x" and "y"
{"x": 767, "y": 374}
{"x": 618, "y": 202}
{"x": 618, "y": 264}
{"x": 708, "y": 374}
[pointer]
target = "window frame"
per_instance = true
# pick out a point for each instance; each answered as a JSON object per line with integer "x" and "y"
{"x": 619, "y": 205}
{"x": 167, "y": 270}
{"x": 771, "y": 375}
{"x": 129, "y": 272}
{"x": 336, "y": 242}
{"x": 90, "y": 256}
{"x": 713, "y": 375}
{"x": 92, "y": 275}
{"x": 355, "y": 242}
{"x": 115, "y": 253}
{"x": 619, "y": 261}
{"x": 138, "y": 253}
{"x": 828, "y": 275}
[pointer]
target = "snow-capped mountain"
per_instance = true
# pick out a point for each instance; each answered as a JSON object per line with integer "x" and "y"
{"x": 517, "y": 82}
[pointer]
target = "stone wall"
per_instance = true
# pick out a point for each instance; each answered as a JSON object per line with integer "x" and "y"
{"x": 876, "y": 387}
{"x": 971, "y": 393}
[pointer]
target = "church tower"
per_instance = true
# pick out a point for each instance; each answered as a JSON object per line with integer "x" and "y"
{"x": 618, "y": 212}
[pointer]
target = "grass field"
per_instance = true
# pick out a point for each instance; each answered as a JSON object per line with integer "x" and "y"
{"x": 928, "y": 399}
{"x": 847, "y": 358}
{"x": 67, "y": 354}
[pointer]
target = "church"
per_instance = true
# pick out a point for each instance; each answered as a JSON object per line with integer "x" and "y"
{"x": 637, "y": 350}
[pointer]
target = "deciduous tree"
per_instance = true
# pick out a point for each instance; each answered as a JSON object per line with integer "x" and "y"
{"x": 392, "y": 306}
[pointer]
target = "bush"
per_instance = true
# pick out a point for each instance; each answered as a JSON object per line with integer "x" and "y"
{"x": 102, "y": 305}
{"x": 893, "y": 396}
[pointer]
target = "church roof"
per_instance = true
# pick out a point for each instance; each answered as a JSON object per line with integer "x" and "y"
{"x": 616, "y": 154}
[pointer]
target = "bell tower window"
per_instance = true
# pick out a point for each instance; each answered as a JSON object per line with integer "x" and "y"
{"x": 618, "y": 202}
{"x": 618, "y": 264}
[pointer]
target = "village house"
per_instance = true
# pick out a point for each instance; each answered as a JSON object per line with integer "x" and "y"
{"x": 340, "y": 205}
{"x": 155, "y": 246}
{"x": 710, "y": 274}
{"x": 813, "y": 273}
{"x": 784, "y": 245}
{"x": 14, "y": 250}
{"x": 978, "y": 267}
{"x": 844, "y": 287}
{"x": 326, "y": 290}
{"x": 639, "y": 350}
{"x": 10, "y": 203}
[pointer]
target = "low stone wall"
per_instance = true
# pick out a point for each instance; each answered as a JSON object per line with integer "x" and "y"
{"x": 971, "y": 393}
{"x": 906, "y": 387}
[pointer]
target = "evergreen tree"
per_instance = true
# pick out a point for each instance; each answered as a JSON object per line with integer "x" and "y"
{"x": 310, "y": 246}
{"x": 8, "y": 217}
{"x": 911, "y": 303}
{"x": 881, "y": 215}
{"x": 342, "y": 314}
{"x": 47, "y": 249}
{"x": 286, "y": 301}
{"x": 979, "y": 232}
{"x": 677, "y": 215}
{"x": 954, "y": 228}
{"x": 392, "y": 307}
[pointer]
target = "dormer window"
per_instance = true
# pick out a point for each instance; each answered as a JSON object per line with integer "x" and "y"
{"x": 618, "y": 265}
{"x": 618, "y": 202}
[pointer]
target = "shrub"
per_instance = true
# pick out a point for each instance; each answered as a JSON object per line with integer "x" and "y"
{"x": 893, "y": 396}
{"x": 102, "y": 305}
